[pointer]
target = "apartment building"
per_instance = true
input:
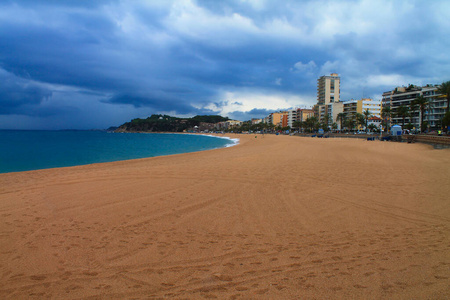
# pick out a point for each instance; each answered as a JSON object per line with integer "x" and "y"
{"x": 228, "y": 124}
{"x": 328, "y": 91}
{"x": 352, "y": 107}
{"x": 304, "y": 114}
{"x": 299, "y": 115}
{"x": 406, "y": 95}
{"x": 278, "y": 119}
{"x": 292, "y": 117}
{"x": 359, "y": 106}
{"x": 333, "y": 110}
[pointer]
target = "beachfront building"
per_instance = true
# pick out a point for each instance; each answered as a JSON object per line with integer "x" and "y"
{"x": 404, "y": 96}
{"x": 299, "y": 115}
{"x": 352, "y": 107}
{"x": 304, "y": 114}
{"x": 376, "y": 121}
{"x": 359, "y": 106}
{"x": 278, "y": 119}
{"x": 333, "y": 110}
{"x": 256, "y": 121}
{"x": 292, "y": 117}
{"x": 228, "y": 124}
{"x": 328, "y": 91}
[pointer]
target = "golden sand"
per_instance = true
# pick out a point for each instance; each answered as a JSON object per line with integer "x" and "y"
{"x": 277, "y": 217}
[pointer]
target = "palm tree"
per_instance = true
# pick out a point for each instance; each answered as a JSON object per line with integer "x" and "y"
{"x": 326, "y": 120}
{"x": 386, "y": 114}
{"x": 444, "y": 89}
{"x": 341, "y": 118}
{"x": 359, "y": 118}
{"x": 297, "y": 124}
{"x": 423, "y": 105}
{"x": 334, "y": 126}
{"x": 412, "y": 110}
{"x": 303, "y": 125}
{"x": 402, "y": 112}
{"x": 349, "y": 123}
{"x": 366, "y": 115}
{"x": 312, "y": 123}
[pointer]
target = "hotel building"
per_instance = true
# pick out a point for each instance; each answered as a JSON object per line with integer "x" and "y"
{"x": 328, "y": 91}
{"x": 352, "y": 107}
{"x": 405, "y": 95}
{"x": 299, "y": 115}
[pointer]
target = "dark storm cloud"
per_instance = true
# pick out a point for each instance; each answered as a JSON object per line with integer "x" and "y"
{"x": 187, "y": 57}
{"x": 18, "y": 96}
{"x": 158, "y": 102}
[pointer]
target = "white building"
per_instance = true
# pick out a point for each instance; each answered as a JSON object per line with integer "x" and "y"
{"x": 405, "y": 95}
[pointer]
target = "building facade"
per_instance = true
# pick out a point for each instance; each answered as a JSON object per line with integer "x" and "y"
{"x": 299, "y": 115}
{"x": 333, "y": 110}
{"x": 228, "y": 124}
{"x": 328, "y": 91}
{"x": 404, "y": 96}
{"x": 278, "y": 118}
{"x": 352, "y": 107}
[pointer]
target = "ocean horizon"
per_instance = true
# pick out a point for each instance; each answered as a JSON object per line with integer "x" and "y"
{"x": 27, "y": 150}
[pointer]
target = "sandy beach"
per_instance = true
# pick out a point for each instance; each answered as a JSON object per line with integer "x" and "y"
{"x": 276, "y": 217}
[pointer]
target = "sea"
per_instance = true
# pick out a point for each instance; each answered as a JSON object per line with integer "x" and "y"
{"x": 23, "y": 150}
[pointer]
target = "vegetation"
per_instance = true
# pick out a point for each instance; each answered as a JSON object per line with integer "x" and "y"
{"x": 446, "y": 120}
{"x": 423, "y": 104}
{"x": 341, "y": 118}
{"x": 386, "y": 114}
{"x": 373, "y": 128}
{"x": 412, "y": 109}
{"x": 366, "y": 115}
{"x": 165, "y": 123}
{"x": 402, "y": 112}
{"x": 444, "y": 89}
{"x": 359, "y": 119}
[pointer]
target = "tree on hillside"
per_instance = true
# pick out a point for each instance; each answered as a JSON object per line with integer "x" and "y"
{"x": 367, "y": 115}
{"x": 444, "y": 89}
{"x": 402, "y": 112}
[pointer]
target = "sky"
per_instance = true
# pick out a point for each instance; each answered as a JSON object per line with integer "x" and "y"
{"x": 83, "y": 64}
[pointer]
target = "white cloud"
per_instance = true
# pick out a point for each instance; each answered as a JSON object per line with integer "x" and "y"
{"x": 391, "y": 80}
{"x": 309, "y": 67}
{"x": 330, "y": 67}
{"x": 245, "y": 100}
{"x": 196, "y": 22}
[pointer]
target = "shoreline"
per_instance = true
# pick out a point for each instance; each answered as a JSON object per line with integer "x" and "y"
{"x": 273, "y": 217}
{"x": 65, "y": 164}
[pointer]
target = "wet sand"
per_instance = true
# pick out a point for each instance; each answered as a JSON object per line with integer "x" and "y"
{"x": 277, "y": 217}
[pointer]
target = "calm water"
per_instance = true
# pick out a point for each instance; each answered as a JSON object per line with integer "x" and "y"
{"x": 32, "y": 150}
